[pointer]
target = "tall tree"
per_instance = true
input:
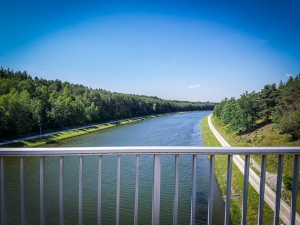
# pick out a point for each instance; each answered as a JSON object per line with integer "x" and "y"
{"x": 249, "y": 103}
{"x": 218, "y": 108}
{"x": 37, "y": 112}
{"x": 288, "y": 112}
{"x": 19, "y": 119}
{"x": 268, "y": 99}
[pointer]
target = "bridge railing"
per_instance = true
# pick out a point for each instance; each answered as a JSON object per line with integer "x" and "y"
{"x": 157, "y": 152}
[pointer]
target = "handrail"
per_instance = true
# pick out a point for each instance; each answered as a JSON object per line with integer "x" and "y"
{"x": 148, "y": 150}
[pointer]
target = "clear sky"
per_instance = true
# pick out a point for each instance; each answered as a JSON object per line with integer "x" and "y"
{"x": 178, "y": 50}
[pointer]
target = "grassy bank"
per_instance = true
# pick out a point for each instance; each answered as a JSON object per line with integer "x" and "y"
{"x": 267, "y": 135}
{"x": 77, "y": 132}
{"x": 237, "y": 183}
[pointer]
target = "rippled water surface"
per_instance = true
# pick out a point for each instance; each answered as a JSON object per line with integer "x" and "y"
{"x": 174, "y": 130}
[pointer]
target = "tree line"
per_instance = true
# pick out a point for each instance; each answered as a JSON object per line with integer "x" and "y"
{"x": 280, "y": 105}
{"x": 33, "y": 104}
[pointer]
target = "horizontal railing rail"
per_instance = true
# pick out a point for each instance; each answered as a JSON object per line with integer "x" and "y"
{"x": 157, "y": 152}
{"x": 148, "y": 150}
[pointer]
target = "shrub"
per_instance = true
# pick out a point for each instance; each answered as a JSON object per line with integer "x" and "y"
{"x": 288, "y": 181}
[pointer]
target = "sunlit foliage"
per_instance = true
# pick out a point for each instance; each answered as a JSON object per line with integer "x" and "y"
{"x": 34, "y": 104}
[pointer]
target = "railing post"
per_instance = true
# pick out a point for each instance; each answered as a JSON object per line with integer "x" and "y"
{"x": 193, "y": 196}
{"x": 3, "y": 193}
{"x": 118, "y": 190}
{"x": 156, "y": 190}
{"x": 22, "y": 190}
{"x": 176, "y": 182}
{"x": 228, "y": 190}
{"x": 61, "y": 190}
{"x": 294, "y": 190}
{"x": 99, "y": 190}
{"x": 245, "y": 189}
{"x": 262, "y": 189}
{"x": 42, "y": 204}
{"x": 211, "y": 189}
{"x": 278, "y": 189}
{"x": 80, "y": 190}
{"x": 136, "y": 197}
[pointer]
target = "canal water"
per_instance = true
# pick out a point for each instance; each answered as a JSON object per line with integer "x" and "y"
{"x": 175, "y": 130}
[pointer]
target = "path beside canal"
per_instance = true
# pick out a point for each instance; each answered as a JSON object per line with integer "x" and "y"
{"x": 254, "y": 180}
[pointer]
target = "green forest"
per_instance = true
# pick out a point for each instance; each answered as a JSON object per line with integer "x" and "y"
{"x": 279, "y": 105}
{"x": 32, "y": 105}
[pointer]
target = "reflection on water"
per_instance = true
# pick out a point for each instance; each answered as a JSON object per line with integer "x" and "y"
{"x": 179, "y": 129}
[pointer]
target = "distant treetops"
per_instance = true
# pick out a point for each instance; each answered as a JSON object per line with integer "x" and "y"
{"x": 30, "y": 105}
{"x": 279, "y": 105}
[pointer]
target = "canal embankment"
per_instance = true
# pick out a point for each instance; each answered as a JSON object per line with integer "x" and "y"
{"x": 237, "y": 183}
{"x": 52, "y": 137}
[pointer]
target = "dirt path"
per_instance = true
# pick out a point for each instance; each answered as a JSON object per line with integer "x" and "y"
{"x": 254, "y": 180}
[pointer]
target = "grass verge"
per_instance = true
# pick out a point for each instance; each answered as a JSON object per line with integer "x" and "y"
{"x": 58, "y": 137}
{"x": 267, "y": 135}
{"x": 73, "y": 133}
{"x": 237, "y": 183}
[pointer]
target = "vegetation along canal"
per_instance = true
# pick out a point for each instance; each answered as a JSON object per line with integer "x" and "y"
{"x": 174, "y": 130}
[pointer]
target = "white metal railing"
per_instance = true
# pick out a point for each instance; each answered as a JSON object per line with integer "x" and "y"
{"x": 157, "y": 152}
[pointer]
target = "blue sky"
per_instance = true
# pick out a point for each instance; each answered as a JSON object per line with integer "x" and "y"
{"x": 178, "y": 50}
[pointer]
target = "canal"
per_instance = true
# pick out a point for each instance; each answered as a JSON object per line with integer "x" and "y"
{"x": 175, "y": 130}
